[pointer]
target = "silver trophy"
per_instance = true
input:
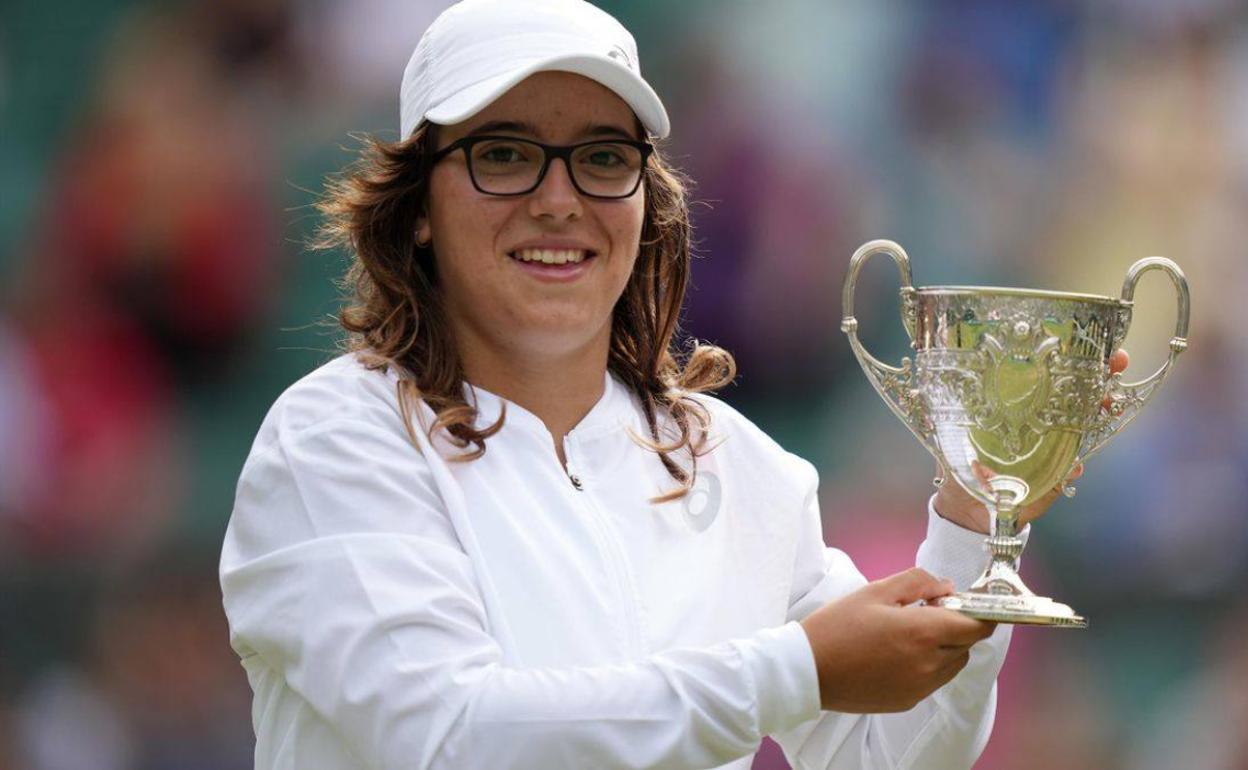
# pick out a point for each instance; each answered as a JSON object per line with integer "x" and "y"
{"x": 1007, "y": 391}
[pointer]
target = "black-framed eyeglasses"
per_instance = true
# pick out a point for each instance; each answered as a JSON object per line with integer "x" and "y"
{"x": 507, "y": 165}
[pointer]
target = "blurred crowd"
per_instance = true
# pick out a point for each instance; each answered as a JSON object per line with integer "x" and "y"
{"x": 159, "y": 161}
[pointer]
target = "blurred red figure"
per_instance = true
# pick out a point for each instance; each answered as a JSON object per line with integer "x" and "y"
{"x": 156, "y": 258}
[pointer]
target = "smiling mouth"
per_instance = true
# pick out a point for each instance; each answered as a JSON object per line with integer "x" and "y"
{"x": 552, "y": 256}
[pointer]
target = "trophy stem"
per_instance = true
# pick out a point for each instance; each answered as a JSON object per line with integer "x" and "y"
{"x": 999, "y": 594}
{"x": 1001, "y": 578}
{"x": 1004, "y": 543}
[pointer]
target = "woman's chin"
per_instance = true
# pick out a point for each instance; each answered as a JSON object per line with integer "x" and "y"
{"x": 562, "y": 334}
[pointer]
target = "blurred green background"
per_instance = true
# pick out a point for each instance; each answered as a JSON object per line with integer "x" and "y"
{"x": 157, "y": 162}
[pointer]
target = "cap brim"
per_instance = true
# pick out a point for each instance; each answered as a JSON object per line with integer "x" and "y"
{"x": 624, "y": 82}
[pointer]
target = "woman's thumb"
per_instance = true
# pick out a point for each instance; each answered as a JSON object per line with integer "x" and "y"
{"x": 911, "y": 586}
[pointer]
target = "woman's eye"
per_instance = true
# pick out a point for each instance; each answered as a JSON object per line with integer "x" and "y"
{"x": 605, "y": 158}
{"x": 502, "y": 155}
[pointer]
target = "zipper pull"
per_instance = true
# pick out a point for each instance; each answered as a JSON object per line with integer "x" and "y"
{"x": 567, "y": 467}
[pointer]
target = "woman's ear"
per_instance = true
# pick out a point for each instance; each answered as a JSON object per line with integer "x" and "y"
{"x": 424, "y": 232}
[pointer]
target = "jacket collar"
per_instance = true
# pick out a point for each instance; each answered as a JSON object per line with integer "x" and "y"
{"x": 614, "y": 408}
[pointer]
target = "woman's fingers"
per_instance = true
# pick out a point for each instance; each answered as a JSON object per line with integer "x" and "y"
{"x": 1118, "y": 362}
{"x": 950, "y": 668}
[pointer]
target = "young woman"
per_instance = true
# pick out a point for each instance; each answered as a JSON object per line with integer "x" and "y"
{"x": 508, "y": 529}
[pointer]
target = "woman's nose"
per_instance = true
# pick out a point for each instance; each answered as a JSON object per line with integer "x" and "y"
{"x": 556, "y": 197}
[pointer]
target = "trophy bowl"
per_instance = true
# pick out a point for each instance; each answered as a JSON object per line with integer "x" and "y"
{"x": 1008, "y": 390}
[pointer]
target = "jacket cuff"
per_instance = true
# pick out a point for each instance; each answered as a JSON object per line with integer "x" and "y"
{"x": 782, "y": 665}
{"x": 954, "y": 552}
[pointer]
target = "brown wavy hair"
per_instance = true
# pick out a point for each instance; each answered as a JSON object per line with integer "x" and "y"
{"x": 393, "y": 313}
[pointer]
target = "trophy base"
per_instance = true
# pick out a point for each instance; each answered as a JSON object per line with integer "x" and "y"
{"x": 1027, "y": 610}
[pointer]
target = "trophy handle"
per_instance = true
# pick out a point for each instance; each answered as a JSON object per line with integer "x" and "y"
{"x": 1126, "y": 398}
{"x": 895, "y": 384}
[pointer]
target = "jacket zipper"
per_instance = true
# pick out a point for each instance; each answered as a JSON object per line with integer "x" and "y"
{"x": 615, "y": 556}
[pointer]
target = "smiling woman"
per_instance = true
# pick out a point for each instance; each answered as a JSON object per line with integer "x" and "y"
{"x": 522, "y": 267}
{"x": 509, "y": 527}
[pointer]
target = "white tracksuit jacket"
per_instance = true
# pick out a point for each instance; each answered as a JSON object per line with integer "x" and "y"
{"x": 396, "y": 610}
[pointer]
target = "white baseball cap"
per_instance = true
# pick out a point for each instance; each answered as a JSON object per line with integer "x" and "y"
{"x": 478, "y": 49}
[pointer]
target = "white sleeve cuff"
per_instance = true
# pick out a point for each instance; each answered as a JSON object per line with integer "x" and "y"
{"x": 954, "y": 552}
{"x": 782, "y": 664}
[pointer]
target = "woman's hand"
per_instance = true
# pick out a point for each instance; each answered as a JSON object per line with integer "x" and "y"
{"x": 876, "y": 654}
{"x": 956, "y": 504}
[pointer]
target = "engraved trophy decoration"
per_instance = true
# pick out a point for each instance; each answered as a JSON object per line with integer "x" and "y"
{"x": 1006, "y": 390}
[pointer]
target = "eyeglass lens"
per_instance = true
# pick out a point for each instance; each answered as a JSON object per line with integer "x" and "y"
{"x": 505, "y": 167}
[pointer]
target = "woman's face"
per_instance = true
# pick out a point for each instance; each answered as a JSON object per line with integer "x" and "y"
{"x": 494, "y": 297}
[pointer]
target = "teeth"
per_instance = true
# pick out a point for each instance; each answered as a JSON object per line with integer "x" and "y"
{"x": 551, "y": 256}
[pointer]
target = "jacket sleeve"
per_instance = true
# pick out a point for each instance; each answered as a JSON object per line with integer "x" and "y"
{"x": 341, "y": 571}
{"x": 946, "y": 731}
